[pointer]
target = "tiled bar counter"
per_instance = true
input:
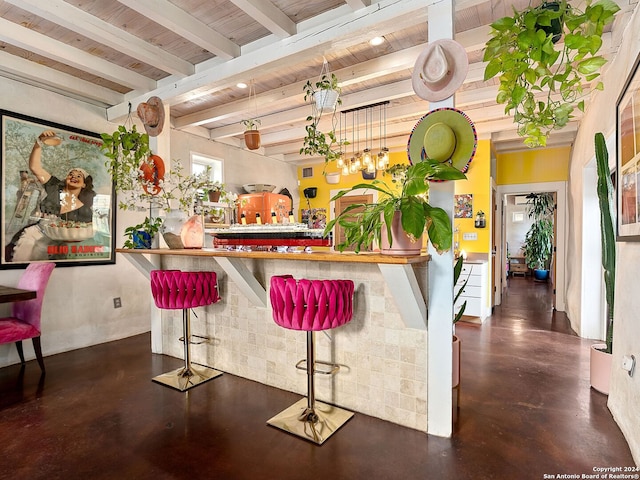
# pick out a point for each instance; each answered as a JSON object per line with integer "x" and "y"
{"x": 383, "y": 350}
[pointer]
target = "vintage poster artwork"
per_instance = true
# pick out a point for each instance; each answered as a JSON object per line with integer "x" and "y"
{"x": 463, "y": 206}
{"x": 314, "y": 217}
{"x": 628, "y": 159}
{"x": 57, "y": 195}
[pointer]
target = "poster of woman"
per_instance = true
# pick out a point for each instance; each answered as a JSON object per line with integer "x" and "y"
{"x": 57, "y": 195}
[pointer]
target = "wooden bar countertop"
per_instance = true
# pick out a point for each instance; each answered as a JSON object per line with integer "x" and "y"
{"x": 345, "y": 257}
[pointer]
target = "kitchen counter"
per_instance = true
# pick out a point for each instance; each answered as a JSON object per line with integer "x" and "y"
{"x": 397, "y": 272}
{"x": 383, "y": 350}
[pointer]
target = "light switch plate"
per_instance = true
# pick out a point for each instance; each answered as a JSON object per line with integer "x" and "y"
{"x": 470, "y": 236}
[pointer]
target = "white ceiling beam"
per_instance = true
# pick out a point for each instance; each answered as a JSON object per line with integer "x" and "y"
{"x": 368, "y": 70}
{"x": 339, "y": 32}
{"x": 69, "y": 85}
{"x": 47, "y": 47}
{"x": 177, "y": 20}
{"x": 90, "y": 26}
{"x": 358, "y": 4}
{"x": 298, "y": 115}
{"x": 268, "y": 15}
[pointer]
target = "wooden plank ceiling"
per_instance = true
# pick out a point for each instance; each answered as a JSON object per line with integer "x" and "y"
{"x": 192, "y": 53}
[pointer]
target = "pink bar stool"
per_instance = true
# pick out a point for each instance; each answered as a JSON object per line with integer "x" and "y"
{"x": 311, "y": 305}
{"x": 173, "y": 289}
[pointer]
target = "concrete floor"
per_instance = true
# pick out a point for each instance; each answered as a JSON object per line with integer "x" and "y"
{"x": 526, "y": 410}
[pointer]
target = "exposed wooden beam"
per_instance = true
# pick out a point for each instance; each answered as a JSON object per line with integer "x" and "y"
{"x": 38, "y": 75}
{"x": 90, "y": 26}
{"x": 268, "y": 15}
{"x": 338, "y": 32}
{"x": 358, "y": 4}
{"x": 170, "y": 16}
{"x": 368, "y": 70}
{"x": 47, "y": 47}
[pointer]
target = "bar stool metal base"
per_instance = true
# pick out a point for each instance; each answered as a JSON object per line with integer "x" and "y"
{"x": 298, "y": 420}
{"x": 183, "y": 378}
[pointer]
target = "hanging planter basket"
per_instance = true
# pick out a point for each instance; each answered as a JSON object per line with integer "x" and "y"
{"x": 326, "y": 99}
{"x": 332, "y": 178}
{"x": 252, "y": 139}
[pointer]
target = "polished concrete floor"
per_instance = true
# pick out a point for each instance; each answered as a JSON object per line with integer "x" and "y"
{"x": 526, "y": 410}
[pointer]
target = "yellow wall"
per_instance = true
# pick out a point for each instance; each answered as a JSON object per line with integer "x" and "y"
{"x": 533, "y": 166}
{"x": 318, "y": 180}
{"x": 477, "y": 184}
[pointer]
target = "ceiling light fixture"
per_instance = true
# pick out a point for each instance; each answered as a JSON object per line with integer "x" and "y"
{"x": 375, "y": 41}
{"x": 367, "y": 160}
{"x": 241, "y": 85}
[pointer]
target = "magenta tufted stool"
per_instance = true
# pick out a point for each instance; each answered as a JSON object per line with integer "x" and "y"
{"x": 311, "y": 305}
{"x": 173, "y": 289}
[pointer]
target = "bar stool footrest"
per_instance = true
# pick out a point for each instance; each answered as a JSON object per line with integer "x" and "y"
{"x": 183, "y": 379}
{"x": 329, "y": 419}
{"x": 335, "y": 368}
{"x": 191, "y": 342}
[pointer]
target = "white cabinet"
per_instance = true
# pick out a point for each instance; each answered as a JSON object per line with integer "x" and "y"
{"x": 475, "y": 293}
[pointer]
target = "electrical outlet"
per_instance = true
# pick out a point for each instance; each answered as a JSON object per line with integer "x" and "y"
{"x": 117, "y": 303}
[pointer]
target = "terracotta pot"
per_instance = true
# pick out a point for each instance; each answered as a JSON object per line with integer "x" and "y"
{"x": 600, "y": 368}
{"x": 252, "y": 139}
{"x": 402, "y": 243}
{"x": 214, "y": 196}
{"x": 455, "y": 380}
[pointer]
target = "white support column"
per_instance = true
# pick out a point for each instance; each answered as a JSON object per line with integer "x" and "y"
{"x": 161, "y": 146}
{"x": 440, "y": 315}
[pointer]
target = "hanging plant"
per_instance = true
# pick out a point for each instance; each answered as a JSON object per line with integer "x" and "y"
{"x": 251, "y": 134}
{"x": 522, "y": 52}
{"x": 126, "y": 149}
{"x": 324, "y": 96}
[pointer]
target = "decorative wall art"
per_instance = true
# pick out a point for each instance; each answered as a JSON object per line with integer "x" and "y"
{"x": 57, "y": 195}
{"x": 628, "y": 159}
{"x": 463, "y": 206}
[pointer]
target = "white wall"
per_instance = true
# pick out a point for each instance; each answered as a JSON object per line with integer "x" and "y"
{"x": 624, "y": 396}
{"x": 76, "y": 295}
{"x": 241, "y": 166}
{"x": 516, "y": 231}
{"x": 78, "y": 307}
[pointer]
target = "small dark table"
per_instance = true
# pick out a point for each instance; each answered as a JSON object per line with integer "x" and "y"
{"x": 11, "y": 294}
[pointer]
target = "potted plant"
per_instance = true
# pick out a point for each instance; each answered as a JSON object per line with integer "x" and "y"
{"x": 214, "y": 191}
{"x": 601, "y": 354}
{"x": 404, "y": 210}
{"x": 325, "y": 92}
{"x": 251, "y": 133}
{"x": 522, "y": 52}
{"x": 143, "y": 234}
{"x": 126, "y": 150}
{"x": 538, "y": 241}
{"x": 325, "y": 95}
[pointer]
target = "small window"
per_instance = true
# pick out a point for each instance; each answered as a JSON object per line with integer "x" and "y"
{"x": 307, "y": 172}
{"x": 199, "y": 164}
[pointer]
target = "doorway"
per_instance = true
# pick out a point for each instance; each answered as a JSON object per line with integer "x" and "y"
{"x": 559, "y": 256}
{"x": 336, "y": 207}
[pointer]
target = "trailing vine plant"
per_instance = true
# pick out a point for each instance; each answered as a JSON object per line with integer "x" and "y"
{"x": 523, "y": 53}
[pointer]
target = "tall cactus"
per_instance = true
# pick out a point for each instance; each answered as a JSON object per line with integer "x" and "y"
{"x": 607, "y": 219}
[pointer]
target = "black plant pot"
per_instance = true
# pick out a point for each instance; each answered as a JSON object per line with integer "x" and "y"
{"x": 556, "y": 24}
